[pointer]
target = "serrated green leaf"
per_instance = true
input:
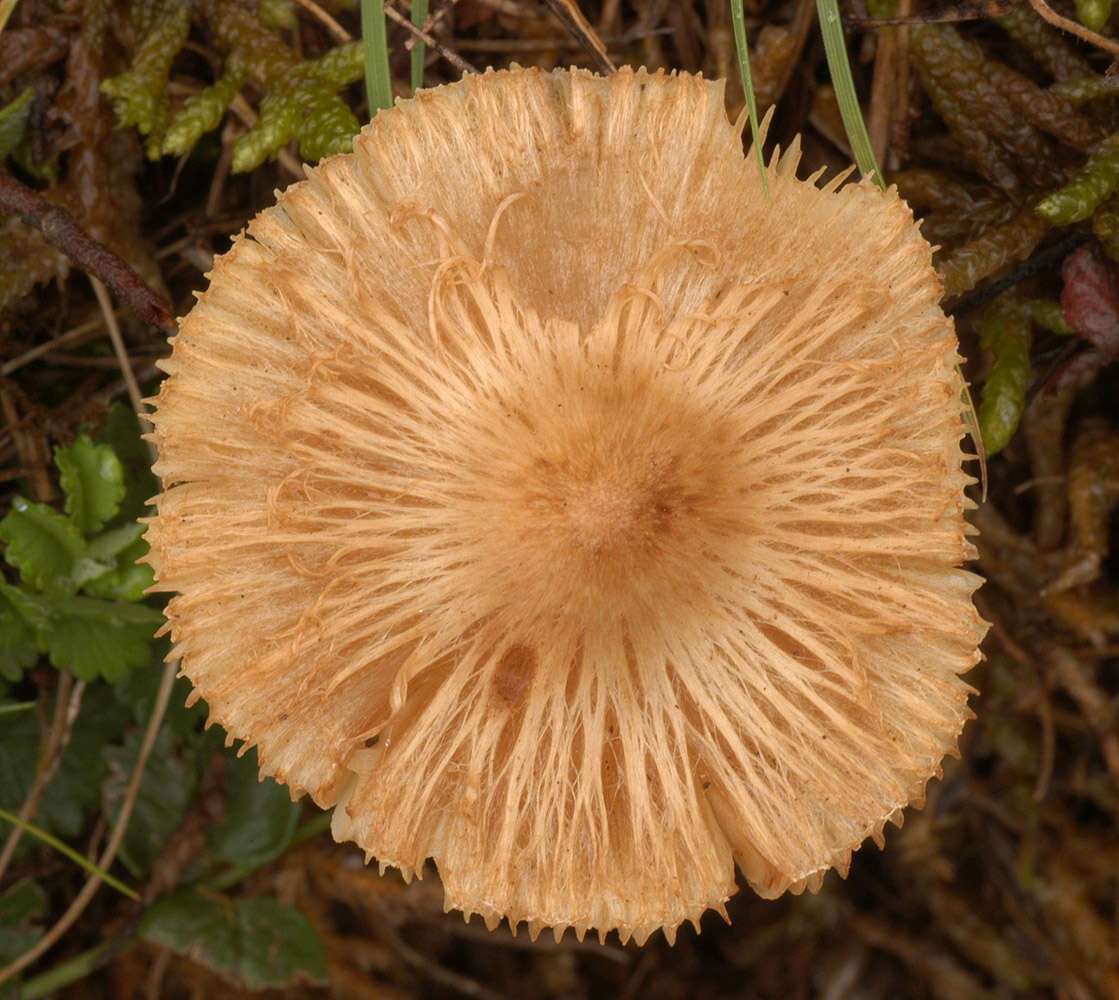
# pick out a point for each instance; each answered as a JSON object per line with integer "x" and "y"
{"x": 33, "y": 608}
{"x": 121, "y": 431}
{"x": 261, "y": 818}
{"x": 96, "y": 638}
{"x": 20, "y": 616}
{"x": 278, "y": 945}
{"x": 20, "y": 906}
{"x": 19, "y": 750}
{"x": 197, "y": 926}
{"x": 166, "y": 791}
{"x": 47, "y": 549}
{"x": 92, "y": 478}
{"x": 129, "y": 581}
{"x": 13, "y": 122}
{"x": 110, "y": 544}
{"x": 259, "y": 943}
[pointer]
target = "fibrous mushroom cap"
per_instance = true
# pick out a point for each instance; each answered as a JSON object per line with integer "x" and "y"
{"x": 555, "y": 506}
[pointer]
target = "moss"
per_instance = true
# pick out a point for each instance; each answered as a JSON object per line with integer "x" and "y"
{"x": 1093, "y": 184}
{"x": 140, "y": 95}
{"x": 1004, "y": 330}
{"x": 299, "y": 97}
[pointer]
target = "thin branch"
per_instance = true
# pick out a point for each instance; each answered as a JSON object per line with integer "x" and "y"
{"x": 337, "y": 32}
{"x": 420, "y": 35}
{"x": 88, "y": 330}
{"x": 60, "y": 229}
{"x": 567, "y": 12}
{"x": 121, "y": 353}
{"x": 1047, "y": 13}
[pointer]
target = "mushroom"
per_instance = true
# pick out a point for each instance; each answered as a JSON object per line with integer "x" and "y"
{"x": 556, "y": 505}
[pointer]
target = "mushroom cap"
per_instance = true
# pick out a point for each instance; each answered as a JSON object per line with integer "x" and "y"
{"x": 555, "y": 505}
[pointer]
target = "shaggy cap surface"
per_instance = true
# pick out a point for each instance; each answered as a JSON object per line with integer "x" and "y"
{"x": 555, "y": 507}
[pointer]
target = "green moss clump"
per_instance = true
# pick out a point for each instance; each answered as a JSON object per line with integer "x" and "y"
{"x": 140, "y": 95}
{"x": 1005, "y": 330}
{"x": 299, "y": 98}
{"x": 1093, "y": 184}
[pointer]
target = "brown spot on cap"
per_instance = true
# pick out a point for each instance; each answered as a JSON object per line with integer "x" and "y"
{"x": 514, "y": 673}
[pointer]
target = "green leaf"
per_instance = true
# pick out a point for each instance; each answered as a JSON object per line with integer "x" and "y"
{"x": 203, "y": 929}
{"x": 278, "y": 945}
{"x": 20, "y": 906}
{"x": 121, "y": 431}
{"x": 96, "y": 638}
{"x": 259, "y": 943}
{"x": 75, "y": 790}
{"x": 110, "y": 544}
{"x": 47, "y": 549}
{"x": 128, "y": 580}
{"x": 261, "y": 819}
{"x": 19, "y": 750}
{"x": 92, "y": 478}
{"x": 20, "y": 616}
{"x": 166, "y": 791}
{"x": 13, "y": 122}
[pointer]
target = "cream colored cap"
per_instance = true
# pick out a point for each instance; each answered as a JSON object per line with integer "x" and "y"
{"x": 555, "y": 506}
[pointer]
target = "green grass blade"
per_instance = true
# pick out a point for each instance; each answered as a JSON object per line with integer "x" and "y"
{"x": 378, "y": 82}
{"x": 739, "y": 22}
{"x": 73, "y": 855}
{"x": 419, "y": 50}
{"x": 835, "y": 47}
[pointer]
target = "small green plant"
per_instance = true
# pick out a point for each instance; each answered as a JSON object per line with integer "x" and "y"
{"x": 74, "y": 594}
{"x": 80, "y": 593}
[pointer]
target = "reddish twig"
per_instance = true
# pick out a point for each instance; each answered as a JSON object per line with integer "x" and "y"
{"x": 61, "y": 229}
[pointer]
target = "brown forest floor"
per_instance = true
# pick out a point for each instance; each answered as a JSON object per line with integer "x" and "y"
{"x": 1007, "y": 883}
